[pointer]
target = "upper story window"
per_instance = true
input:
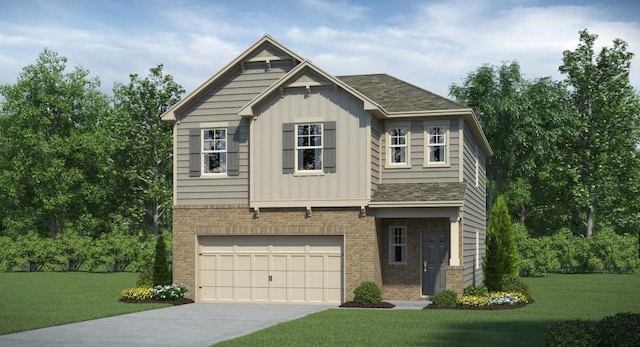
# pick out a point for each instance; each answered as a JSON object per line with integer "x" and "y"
{"x": 214, "y": 151}
{"x": 398, "y": 146}
{"x": 436, "y": 145}
{"x": 398, "y": 245}
{"x": 309, "y": 146}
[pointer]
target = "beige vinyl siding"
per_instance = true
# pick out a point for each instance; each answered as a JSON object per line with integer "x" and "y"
{"x": 474, "y": 211}
{"x": 296, "y": 105}
{"x": 417, "y": 173}
{"x": 220, "y": 104}
{"x": 376, "y": 133}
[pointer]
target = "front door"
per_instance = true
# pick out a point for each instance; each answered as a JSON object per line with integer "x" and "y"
{"x": 435, "y": 253}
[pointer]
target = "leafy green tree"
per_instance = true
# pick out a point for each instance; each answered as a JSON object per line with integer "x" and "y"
{"x": 501, "y": 255}
{"x": 601, "y": 155}
{"x": 145, "y": 145}
{"x": 52, "y": 159}
{"x": 161, "y": 273}
{"x": 520, "y": 119}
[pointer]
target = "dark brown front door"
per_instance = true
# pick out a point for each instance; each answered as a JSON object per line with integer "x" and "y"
{"x": 435, "y": 253}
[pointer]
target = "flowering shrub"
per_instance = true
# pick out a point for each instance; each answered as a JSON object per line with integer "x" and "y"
{"x": 506, "y": 298}
{"x": 473, "y": 300}
{"x": 169, "y": 292}
{"x": 137, "y": 293}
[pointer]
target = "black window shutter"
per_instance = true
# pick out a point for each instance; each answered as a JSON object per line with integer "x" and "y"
{"x": 194, "y": 152}
{"x": 329, "y": 164}
{"x": 288, "y": 147}
{"x": 233, "y": 151}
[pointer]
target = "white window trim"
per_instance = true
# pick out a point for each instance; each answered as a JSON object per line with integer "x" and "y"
{"x": 477, "y": 167}
{"x": 392, "y": 245}
{"x": 203, "y": 172}
{"x": 447, "y": 144}
{"x": 298, "y": 172}
{"x": 388, "y": 162}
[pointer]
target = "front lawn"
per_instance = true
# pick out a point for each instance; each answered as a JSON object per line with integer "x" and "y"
{"x": 34, "y": 300}
{"x": 558, "y": 298}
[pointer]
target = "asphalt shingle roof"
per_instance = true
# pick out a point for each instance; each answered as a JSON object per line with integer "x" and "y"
{"x": 427, "y": 192}
{"x": 395, "y": 95}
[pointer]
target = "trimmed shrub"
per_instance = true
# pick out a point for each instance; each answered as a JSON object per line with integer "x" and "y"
{"x": 115, "y": 251}
{"x": 367, "y": 293}
{"x": 34, "y": 253}
{"x": 169, "y": 292}
{"x": 474, "y": 300}
{"x": 137, "y": 293}
{"x": 537, "y": 257}
{"x": 572, "y": 333}
{"x": 161, "y": 274}
{"x": 476, "y": 291}
{"x": 623, "y": 329}
{"x": 445, "y": 298}
{"x": 514, "y": 284}
{"x": 72, "y": 250}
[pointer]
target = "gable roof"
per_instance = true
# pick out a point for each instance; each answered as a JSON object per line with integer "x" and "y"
{"x": 284, "y": 82}
{"x": 170, "y": 114}
{"x": 395, "y": 95}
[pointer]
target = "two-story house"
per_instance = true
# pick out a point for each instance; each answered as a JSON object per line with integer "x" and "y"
{"x": 293, "y": 185}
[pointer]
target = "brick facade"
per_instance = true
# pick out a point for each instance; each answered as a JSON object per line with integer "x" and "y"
{"x": 361, "y": 258}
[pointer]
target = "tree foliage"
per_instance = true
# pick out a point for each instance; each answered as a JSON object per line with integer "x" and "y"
{"x": 145, "y": 145}
{"x": 501, "y": 257}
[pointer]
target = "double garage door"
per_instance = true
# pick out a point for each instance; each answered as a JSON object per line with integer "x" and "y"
{"x": 299, "y": 269}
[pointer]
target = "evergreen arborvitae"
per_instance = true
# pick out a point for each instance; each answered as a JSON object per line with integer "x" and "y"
{"x": 501, "y": 256}
{"x": 161, "y": 274}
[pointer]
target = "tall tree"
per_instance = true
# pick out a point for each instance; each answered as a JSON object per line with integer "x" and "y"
{"x": 145, "y": 143}
{"x": 601, "y": 145}
{"x": 52, "y": 162}
{"x": 519, "y": 118}
{"x": 501, "y": 256}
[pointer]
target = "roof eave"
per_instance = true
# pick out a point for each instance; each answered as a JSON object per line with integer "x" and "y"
{"x": 391, "y": 204}
{"x": 170, "y": 114}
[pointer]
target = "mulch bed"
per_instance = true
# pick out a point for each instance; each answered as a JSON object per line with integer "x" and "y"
{"x": 151, "y": 301}
{"x": 479, "y": 308}
{"x": 353, "y": 304}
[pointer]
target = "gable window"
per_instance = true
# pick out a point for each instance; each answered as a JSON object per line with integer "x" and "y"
{"x": 309, "y": 147}
{"x": 214, "y": 151}
{"x": 398, "y": 148}
{"x": 437, "y": 145}
{"x": 398, "y": 245}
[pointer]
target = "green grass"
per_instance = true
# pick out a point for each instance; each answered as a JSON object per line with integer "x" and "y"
{"x": 558, "y": 298}
{"x": 41, "y": 299}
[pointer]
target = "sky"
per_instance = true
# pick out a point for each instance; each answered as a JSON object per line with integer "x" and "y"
{"x": 431, "y": 44}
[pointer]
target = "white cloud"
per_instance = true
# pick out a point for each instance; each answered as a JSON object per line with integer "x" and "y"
{"x": 339, "y": 9}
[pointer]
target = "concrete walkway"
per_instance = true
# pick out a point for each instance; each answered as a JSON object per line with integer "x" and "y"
{"x": 184, "y": 325}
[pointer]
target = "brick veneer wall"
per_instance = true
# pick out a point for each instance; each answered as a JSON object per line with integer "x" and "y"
{"x": 404, "y": 281}
{"x": 361, "y": 258}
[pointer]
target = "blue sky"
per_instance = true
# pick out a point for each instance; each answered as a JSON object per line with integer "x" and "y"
{"x": 429, "y": 43}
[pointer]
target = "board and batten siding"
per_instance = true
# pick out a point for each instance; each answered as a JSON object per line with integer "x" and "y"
{"x": 474, "y": 213}
{"x": 220, "y": 104}
{"x": 417, "y": 173}
{"x": 297, "y": 105}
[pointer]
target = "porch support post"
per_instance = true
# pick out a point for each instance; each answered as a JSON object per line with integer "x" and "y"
{"x": 454, "y": 240}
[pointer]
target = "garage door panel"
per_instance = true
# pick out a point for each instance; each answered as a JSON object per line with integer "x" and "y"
{"x": 297, "y": 279}
{"x": 269, "y": 268}
{"x": 279, "y": 263}
{"x": 208, "y": 262}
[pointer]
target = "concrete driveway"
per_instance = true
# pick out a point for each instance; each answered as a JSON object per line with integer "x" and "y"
{"x": 184, "y": 325}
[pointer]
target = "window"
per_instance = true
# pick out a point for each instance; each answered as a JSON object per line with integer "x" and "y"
{"x": 436, "y": 145}
{"x": 397, "y": 245}
{"x": 309, "y": 147}
{"x": 214, "y": 151}
{"x": 398, "y": 146}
